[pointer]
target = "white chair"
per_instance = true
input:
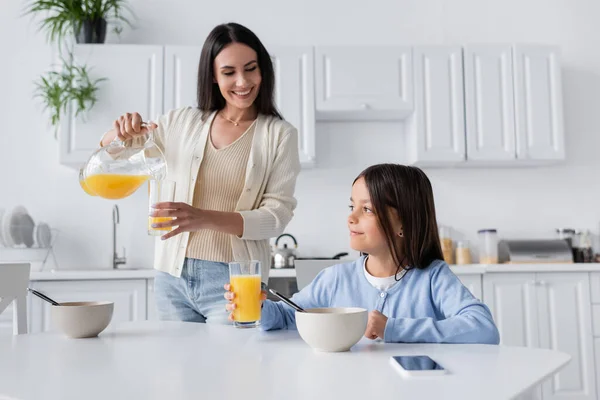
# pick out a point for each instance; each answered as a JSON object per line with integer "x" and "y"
{"x": 307, "y": 270}
{"x": 14, "y": 279}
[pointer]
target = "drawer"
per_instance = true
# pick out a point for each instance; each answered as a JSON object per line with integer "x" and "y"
{"x": 595, "y": 287}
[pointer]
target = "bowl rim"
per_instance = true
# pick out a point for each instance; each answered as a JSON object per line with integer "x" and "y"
{"x": 83, "y": 304}
{"x": 327, "y": 311}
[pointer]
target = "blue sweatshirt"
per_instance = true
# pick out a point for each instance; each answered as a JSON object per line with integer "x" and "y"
{"x": 426, "y": 305}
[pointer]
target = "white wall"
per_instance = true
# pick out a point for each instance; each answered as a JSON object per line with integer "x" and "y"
{"x": 520, "y": 202}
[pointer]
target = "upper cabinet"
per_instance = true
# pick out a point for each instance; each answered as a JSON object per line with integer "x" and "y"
{"x": 489, "y": 103}
{"x": 538, "y": 101}
{"x": 510, "y": 114}
{"x": 435, "y": 132}
{"x": 473, "y": 105}
{"x": 134, "y": 84}
{"x": 295, "y": 95}
{"x": 363, "y": 82}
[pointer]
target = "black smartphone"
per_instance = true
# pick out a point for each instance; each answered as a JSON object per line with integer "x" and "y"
{"x": 413, "y": 366}
{"x": 286, "y": 300}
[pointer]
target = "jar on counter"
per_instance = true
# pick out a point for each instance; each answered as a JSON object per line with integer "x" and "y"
{"x": 446, "y": 243}
{"x": 488, "y": 246}
{"x": 463, "y": 253}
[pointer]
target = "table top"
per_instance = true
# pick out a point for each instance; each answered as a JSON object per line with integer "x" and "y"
{"x": 177, "y": 360}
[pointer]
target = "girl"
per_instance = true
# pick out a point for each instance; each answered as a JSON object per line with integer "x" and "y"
{"x": 411, "y": 293}
{"x": 235, "y": 162}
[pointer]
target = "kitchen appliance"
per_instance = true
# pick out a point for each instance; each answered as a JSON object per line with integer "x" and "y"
{"x": 536, "y": 251}
{"x": 284, "y": 257}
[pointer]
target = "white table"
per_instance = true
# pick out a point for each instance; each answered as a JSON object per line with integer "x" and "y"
{"x": 174, "y": 360}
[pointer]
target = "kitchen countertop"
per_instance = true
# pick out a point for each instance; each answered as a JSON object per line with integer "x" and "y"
{"x": 146, "y": 273}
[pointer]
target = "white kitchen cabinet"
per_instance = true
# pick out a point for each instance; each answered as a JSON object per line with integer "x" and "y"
{"x": 547, "y": 310}
{"x": 363, "y": 82}
{"x": 489, "y": 103}
{"x": 128, "y": 295}
{"x": 294, "y": 87}
{"x": 473, "y": 283}
{"x": 151, "y": 312}
{"x": 181, "y": 76}
{"x": 134, "y": 84}
{"x": 538, "y": 103}
{"x": 295, "y": 95}
{"x": 435, "y": 132}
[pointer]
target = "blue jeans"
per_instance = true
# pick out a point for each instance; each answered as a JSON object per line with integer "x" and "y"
{"x": 196, "y": 296}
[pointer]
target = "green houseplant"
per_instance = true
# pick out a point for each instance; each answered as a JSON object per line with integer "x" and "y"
{"x": 86, "y": 19}
{"x": 71, "y": 85}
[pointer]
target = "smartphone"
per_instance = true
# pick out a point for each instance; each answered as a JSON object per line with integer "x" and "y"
{"x": 416, "y": 366}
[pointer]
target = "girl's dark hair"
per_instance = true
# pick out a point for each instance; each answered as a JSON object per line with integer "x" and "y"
{"x": 407, "y": 191}
{"x": 209, "y": 95}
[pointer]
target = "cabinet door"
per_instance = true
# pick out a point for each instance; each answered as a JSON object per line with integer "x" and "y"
{"x": 473, "y": 283}
{"x": 134, "y": 84}
{"x": 151, "y": 312}
{"x": 436, "y": 130}
{"x": 181, "y": 76}
{"x": 489, "y": 103}
{"x": 538, "y": 103}
{"x": 129, "y": 297}
{"x": 363, "y": 82}
{"x": 564, "y": 309}
{"x": 512, "y": 299}
{"x": 294, "y": 94}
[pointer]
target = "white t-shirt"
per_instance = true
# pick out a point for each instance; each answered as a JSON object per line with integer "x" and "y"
{"x": 382, "y": 284}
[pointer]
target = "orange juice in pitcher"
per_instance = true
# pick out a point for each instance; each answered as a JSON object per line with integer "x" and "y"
{"x": 114, "y": 186}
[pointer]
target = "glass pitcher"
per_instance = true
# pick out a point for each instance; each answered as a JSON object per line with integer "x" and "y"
{"x": 117, "y": 170}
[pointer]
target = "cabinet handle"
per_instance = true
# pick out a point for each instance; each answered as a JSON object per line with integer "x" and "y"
{"x": 533, "y": 283}
{"x": 542, "y": 283}
{"x": 365, "y": 106}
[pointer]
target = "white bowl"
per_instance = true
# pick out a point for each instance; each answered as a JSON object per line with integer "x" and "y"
{"x": 82, "y": 319}
{"x": 332, "y": 329}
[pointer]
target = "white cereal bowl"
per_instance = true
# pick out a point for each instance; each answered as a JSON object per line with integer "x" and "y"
{"x": 82, "y": 319}
{"x": 332, "y": 329}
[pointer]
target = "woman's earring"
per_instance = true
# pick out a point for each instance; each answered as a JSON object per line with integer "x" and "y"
{"x": 400, "y": 234}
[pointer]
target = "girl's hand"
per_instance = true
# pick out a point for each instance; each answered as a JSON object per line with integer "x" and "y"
{"x": 185, "y": 217}
{"x": 129, "y": 126}
{"x": 375, "y": 325}
{"x": 230, "y": 296}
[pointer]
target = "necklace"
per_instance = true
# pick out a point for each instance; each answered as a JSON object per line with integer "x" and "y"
{"x": 236, "y": 123}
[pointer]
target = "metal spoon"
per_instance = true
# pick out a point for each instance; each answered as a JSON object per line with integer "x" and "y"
{"x": 287, "y": 301}
{"x": 43, "y": 297}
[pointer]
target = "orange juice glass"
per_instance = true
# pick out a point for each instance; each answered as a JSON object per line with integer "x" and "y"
{"x": 244, "y": 278}
{"x": 159, "y": 191}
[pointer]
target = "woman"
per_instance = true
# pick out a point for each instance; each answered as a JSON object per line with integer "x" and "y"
{"x": 235, "y": 163}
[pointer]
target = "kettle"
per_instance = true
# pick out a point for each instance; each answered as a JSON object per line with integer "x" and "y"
{"x": 117, "y": 170}
{"x": 284, "y": 257}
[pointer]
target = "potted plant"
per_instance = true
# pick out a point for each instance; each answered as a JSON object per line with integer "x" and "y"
{"x": 71, "y": 85}
{"x": 86, "y": 19}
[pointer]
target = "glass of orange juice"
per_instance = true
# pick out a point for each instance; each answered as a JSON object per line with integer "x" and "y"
{"x": 158, "y": 192}
{"x": 244, "y": 278}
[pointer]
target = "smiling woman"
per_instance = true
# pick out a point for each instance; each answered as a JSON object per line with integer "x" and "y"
{"x": 235, "y": 163}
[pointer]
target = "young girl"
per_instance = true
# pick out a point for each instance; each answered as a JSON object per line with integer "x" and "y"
{"x": 411, "y": 293}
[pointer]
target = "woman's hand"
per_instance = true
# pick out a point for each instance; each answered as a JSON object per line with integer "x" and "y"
{"x": 185, "y": 217}
{"x": 127, "y": 126}
{"x": 229, "y": 295}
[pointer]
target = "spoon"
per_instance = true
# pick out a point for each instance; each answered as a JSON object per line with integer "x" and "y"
{"x": 287, "y": 301}
{"x": 43, "y": 297}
